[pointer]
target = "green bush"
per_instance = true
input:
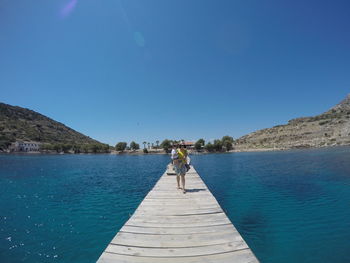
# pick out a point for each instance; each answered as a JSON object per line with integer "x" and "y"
{"x": 227, "y": 142}
{"x": 120, "y": 146}
{"x": 228, "y": 145}
{"x": 218, "y": 145}
{"x": 209, "y": 147}
{"x": 134, "y": 146}
{"x": 199, "y": 144}
{"x": 166, "y": 145}
{"x": 323, "y": 122}
{"x": 4, "y": 145}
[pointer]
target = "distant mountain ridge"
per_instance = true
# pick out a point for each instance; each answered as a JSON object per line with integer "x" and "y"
{"x": 327, "y": 129}
{"x": 21, "y": 124}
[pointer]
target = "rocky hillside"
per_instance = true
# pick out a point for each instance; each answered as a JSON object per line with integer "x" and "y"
{"x": 327, "y": 129}
{"x": 18, "y": 123}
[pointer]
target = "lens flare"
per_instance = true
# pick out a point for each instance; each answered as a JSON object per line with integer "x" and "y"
{"x": 68, "y": 8}
{"x": 139, "y": 39}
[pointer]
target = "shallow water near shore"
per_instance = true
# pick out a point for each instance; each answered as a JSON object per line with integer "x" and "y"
{"x": 291, "y": 206}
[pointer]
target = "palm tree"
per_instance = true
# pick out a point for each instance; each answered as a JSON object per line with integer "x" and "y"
{"x": 157, "y": 142}
{"x": 144, "y": 145}
{"x": 148, "y": 144}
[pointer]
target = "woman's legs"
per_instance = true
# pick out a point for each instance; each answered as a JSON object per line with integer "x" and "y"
{"x": 178, "y": 181}
{"x": 180, "y": 170}
{"x": 183, "y": 182}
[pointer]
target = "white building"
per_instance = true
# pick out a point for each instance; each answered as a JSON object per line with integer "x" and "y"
{"x": 21, "y": 146}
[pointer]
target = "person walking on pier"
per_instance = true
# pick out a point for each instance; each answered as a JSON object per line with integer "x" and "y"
{"x": 174, "y": 154}
{"x": 180, "y": 166}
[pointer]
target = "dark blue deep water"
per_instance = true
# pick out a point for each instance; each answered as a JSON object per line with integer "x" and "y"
{"x": 291, "y": 206}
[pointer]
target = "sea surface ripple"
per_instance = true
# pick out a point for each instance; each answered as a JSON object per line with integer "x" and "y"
{"x": 67, "y": 208}
{"x": 291, "y": 206}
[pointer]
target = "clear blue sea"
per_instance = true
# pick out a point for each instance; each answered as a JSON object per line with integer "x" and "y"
{"x": 291, "y": 206}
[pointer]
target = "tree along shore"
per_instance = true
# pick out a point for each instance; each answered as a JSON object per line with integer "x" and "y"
{"x": 219, "y": 145}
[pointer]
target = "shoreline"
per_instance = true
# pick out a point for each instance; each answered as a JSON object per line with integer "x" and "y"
{"x": 162, "y": 152}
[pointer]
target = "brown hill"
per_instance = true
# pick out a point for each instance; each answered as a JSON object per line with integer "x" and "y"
{"x": 327, "y": 129}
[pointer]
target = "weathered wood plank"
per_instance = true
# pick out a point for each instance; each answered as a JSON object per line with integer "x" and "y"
{"x": 179, "y": 230}
{"x": 176, "y": 252}
{"x": 169, "y": 226}
{"x": 185, "y": 219}
{"x": 176, "y": 211}
{"x": 195, "y": 224}
{"x": 192, "y": 206}
{"x": 184, "y": 240}
{"x": 240, "y": 256}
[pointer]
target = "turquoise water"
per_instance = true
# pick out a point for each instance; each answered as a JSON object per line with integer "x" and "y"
{"x": 67, "y": 208}
{"x": 291, "y": 206}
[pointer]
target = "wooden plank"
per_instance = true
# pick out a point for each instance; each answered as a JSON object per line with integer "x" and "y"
{"x": 159, "y": 206}
{"x": 196, "y": 224}
{"x": 179, "y": 219}
{"x": 170, "y": 227}
{"x": 179, "y": 202}
{"x": 177, "y": 211}
{"x": 177, "y": 231}
{"x": 177, "y": 252}
{"x": 184, "y": 240}
{"x": 239, "y": 256}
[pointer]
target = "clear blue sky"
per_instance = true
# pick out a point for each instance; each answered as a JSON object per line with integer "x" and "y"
{"x": 147, "y": 70}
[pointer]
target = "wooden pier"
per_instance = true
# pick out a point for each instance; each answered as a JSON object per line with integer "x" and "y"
{"x": 172, "y": 227}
